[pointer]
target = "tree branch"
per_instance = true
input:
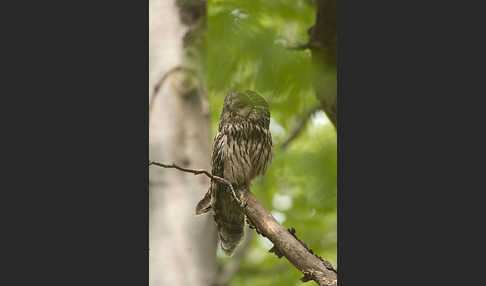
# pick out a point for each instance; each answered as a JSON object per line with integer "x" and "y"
{"x": 299, "y": 47}
{"x": 199, "y": 172}
{"x": 287, "y": 244}
{"x": 285, "y": 241}
{"x": 159, "y": 84}
{"x": 300, "y": 126}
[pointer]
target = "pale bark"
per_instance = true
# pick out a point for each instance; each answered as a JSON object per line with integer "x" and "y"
{"x": 182, "y": 245}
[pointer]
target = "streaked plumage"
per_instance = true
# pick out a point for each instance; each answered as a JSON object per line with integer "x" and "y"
{"x": 242, "y": 150}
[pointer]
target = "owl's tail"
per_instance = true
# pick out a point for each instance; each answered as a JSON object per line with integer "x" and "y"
{"x": 229, "y": 217}
{"x": 230, "y": 220}
{"x": 231, "y": 235}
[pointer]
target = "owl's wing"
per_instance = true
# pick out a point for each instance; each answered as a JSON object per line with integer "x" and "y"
{"x": 217, "y": 163}
{"x": 204, "y": 205}
{"x": 217, "y": 159}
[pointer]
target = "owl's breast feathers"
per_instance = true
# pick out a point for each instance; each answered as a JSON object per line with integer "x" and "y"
{"x": 246, "y": 151}
{"x": 241, "y": 151}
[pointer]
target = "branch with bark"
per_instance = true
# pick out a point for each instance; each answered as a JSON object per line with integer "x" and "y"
{"x": 285, "y": 242}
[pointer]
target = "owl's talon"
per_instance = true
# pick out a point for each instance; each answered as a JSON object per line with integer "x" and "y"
{"x": 250, "y": 223}
{"x": 243, "y": 203}
{"x": 232, "y": 190}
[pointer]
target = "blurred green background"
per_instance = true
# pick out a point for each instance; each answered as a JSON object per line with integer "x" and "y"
{"x": 246, "y": 49}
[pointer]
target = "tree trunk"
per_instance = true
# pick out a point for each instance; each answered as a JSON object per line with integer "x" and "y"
{"x": 182, "y": 245}
{"x": 323, "y": 45}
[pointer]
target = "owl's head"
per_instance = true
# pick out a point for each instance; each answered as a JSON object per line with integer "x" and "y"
{"x": 246, "y": 106}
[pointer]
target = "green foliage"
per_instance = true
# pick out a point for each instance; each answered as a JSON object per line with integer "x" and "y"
{"x": 246, "y": 49}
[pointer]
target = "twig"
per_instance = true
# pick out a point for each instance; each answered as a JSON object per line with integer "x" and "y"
{"x": 199, "y": 172}
{"x": 300, "y": 126}
{"x": 299, "y": 47}
{"x": 159, "y": 84}
{"x": 285, "y": 241}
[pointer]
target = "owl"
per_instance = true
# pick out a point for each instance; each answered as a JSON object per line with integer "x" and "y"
{"x": 242, "y": 150}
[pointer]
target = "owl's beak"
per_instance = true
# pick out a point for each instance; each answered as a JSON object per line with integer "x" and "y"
{"x": 245, "y": 112}
{"x": 249, "y": 112}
